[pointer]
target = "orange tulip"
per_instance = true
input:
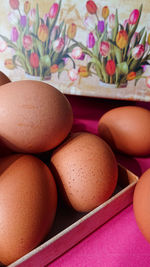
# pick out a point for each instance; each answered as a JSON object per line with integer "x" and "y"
{"x": 54, "y": 68}
{"x": 9, "y": 64}
{"x": 148, "y": 40}
{"x": 131, "y": 75}
{"x": 122, "y": 39}
{"x": 26, "y": 7}
{"x": 43, "y": 32}
{"x": 105, "y": 12}
{"x": 83, "y": 72}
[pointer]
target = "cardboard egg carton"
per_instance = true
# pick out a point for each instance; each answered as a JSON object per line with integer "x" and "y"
{"x": 70, "y": 227}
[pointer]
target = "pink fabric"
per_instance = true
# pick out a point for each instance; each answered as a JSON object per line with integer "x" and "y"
{"x": 118, "y": 243}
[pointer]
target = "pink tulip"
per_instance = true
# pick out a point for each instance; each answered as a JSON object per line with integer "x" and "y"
{"x": 73, "y": 74}
{"x": 135, "y": 37}
{"x": 27, "y": 42}
{"x": 55, "y": 32}
{"x": 90, "y": 40}
{"x": 148, "y": 81}
{"x": 53, "y": 10}
{"x": 45, "y": 17}
{"x": 32, "y": 14}
{"x": 14, "y": 34}
{"x": 14, "y": 4}
{"x": 138, "y": 51}
{"x": 134, "y": 16}
{"x": 104, "y": 48}
{"x": 34, "y": 60}
{"x": 112, "y": 21}
{"x": 76, "y": 53}
{"x": 126, "y": 21}
{"x": 58, "y": 44}
{"x": 3, "y": 45}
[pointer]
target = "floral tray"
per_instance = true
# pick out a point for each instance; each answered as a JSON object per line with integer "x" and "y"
{"x": 94, "y": 48}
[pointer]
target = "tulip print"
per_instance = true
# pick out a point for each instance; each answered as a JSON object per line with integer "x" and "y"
{"x": 91, "y": 7}
{"x": 135, "y": 37}
{"x": 76, "y": 53}
{"x": 131, "y": 76}
{"x": 9, "y": 64}
{"x": 23, "y": 21}
{"x": 53, "y": 11}
{"x": 134, "y": 16}
{"x": 82, "y": 57}
{"x": 14, "y": 34}
{"x": 105, "y": 12}
{"x": 73, "y": 74}
{"x": 90, "y": 40}
{"x": 111, "y": 21}
{"x": 43, "y": 32}
{"x": 110, "y": 67}
{"x": 125, "y": 23}
{"x": 14, "y": 4}
{"x": 34, "y": 60}
{"x": 83, "y": 72}
{"x": 32, "y": 15}
{"x": 26, "y": 7}
{"x": 54, "y": 68}
{"x": 27, "y": 42}
{"x": 138, "y": 51}
{"x": 58, "y": 45}
{"x": 104, "y": 48}
{"x": 101, "y": 26}
{"x": 148, "y": 81}
{"x": 122, "y": 39}
{"x": 72, "y": 29}
{"x": 3, "y": 45}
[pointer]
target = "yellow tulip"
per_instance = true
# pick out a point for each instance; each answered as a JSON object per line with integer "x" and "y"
{"x": 83, "y": 72}
{"x": 105, "y": 12}
{"x": 122, "y": 39}
{"x": 9, "y": 64}
{"x": 26, "y": 7}
{"x": 43, "y": 32}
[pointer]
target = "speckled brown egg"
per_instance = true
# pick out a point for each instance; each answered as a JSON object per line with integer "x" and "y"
{"x": 34, "y": 116}
{"x": 141, "y": 204}
{"x": 127, "y": 129}
{"x": 86, "y": 171}
{"x": 28, "y": 200}
{"x": 3, "y": 78}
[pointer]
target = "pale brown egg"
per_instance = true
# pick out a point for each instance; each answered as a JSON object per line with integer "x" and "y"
{"x": 141, "y": 204}
{"x": 3, "y": 78}
{"x": 86, "y": 171}
{"x": 28, "y": 200}
{"x": 127, "y": 129}
{"x": 34, "y": 116}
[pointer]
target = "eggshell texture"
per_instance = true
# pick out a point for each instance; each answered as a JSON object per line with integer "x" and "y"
{"x": 34, "y": 116}
{"x": 28, "y": 200}
{"x": 127, "y": 129}
{"x": 4, "y": 79}
{"x": 141, "y": 204}
{"x": 86, "y": 171}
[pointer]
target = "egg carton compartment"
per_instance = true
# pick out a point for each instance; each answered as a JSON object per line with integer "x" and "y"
{"x": 70, "y": 226}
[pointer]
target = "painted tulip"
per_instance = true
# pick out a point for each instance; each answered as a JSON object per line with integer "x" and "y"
{"x": 53, "y": 10}
{"x": 43, "y": 33}
{"x": 27, "y": 42}
{"x": 90, "y": 40}
{"x": 55, "y": 32}
{"x": 89, "y": 23}
{"x": 14, "y": 4}
{"x": 34, "y": 60}
{"x": 112, "y": 21}
{"x": 76, "y": 53}
{"x": 73, "y": 74}
{"x": 45, "y": 17}
{"x": 26, "y": 7}
{"x": 3, "y": 45}
{"x": 122, "y": 39}
{"x": 91, "y": 7}
{"x": 58, "y": 45}
{"x": 23, "y": 21}
{"x": 8, "y": 63}
{"x": 13, "y": 18}
{"x": 54, "y": 68}
{"x": 131, "y": 76}
{"x": 148, "y": 81}
{"x": 72, "y": 29}
{"x": 82, "y": 57}
{"x": 135, "y": 37}
{"x": 148, "y": 40}
{"x": 138, "y": 51}
{"x": 101, "y": 26}
{"x": 134, "y": 16}
{"x": 104, "y": 48}
{"x": 32, "y": 15}
{"x": 83, "y": 72}
{"x": 105, "y": 12}
{"x": 14, "y": 34}
{"x": 110, "y": 67}
{"x": 126, "y": 21}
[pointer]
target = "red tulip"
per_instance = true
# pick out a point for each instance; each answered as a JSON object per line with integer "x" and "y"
{"x": 53, "y": 10}
{"x": 91, "y": 7}
{"x": 34, "y": 60}
{"x": 14, "y": 4}
{"x": 134, "y": 16}
{"x": 110, "y": 67}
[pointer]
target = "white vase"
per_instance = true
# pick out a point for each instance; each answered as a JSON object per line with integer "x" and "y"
{"x": 37, "y": 78}
{"x": 112, "y": 85}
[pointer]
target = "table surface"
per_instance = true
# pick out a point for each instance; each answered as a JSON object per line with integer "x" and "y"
{"x": 119, "y": 242}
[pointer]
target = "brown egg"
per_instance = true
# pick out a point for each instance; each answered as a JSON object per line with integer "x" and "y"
{"x": 127, "y": 129}
{"x": 86, "y": 171}
{"x": 4, "y": 79}
{"x": 141, "y": 204}
{"x": 28, "y": 200}
{"x": 34, "y": 116}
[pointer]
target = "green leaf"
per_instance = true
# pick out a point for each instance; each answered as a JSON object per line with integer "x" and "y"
{"x": 141, "y": 33}
{"x": 115, "y": 30}
{"x": 118, "y": 54}
{"x": 70, "y": 48}
{"x": 123, "y": 67}
{"x": 88, "y": 66}
{"x": 9, "y": 43}
{"x": 144, "y": 39}
{"x": 67, "y": 56}
{"x": 37, "y": 21}
{"x": 45, "y": 61}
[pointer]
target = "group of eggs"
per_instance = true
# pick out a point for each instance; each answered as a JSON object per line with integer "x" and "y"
{"x": 34, "y": 118}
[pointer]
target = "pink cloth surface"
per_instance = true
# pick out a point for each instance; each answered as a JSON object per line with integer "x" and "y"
{"x": 119, "y": 242}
